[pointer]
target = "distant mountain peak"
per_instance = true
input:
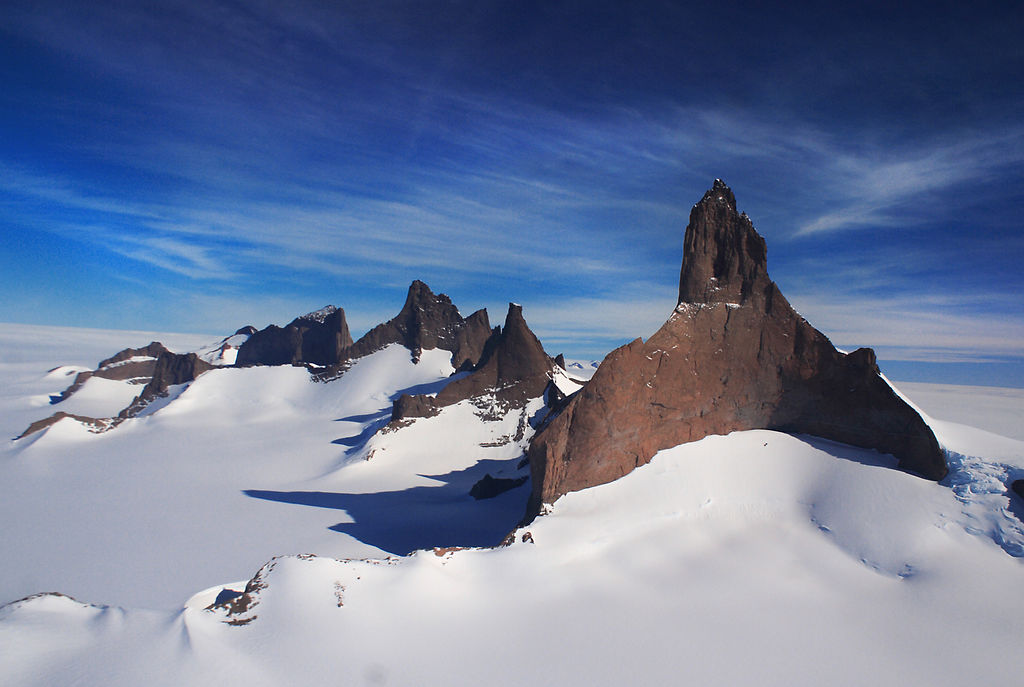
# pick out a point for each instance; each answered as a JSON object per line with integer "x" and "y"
{"x": 318, "y": 338}
{"x": 513, "y": 367}
{"x": 428, "y": 321}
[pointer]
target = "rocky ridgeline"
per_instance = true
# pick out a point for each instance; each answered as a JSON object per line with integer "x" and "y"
{"x": 734, "y": 355}
{"x": 508, "y": 362}
{"x": 512, "y": 367}
{"x": 132, "y": 365}
{"x": 426, "y": 321}
{"x": 135, "y": 366}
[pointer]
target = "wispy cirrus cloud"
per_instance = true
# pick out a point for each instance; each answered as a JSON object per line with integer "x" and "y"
{"x": 871, "y": 188}
{"x": 335, "y": 150}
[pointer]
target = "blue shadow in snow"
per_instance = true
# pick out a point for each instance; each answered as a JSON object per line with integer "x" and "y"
{"x": 356, "y": 442}
{"x": 407, "y": 520}
{"x": 368, "y": 417}
{"x": 383, "y": 416}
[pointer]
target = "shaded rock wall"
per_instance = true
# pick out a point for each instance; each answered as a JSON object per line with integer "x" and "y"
{"x": 320, "y": 338}
{"x": 120, "y": 367}
{"x": 427, "y": 321}
{"x": 733, "y": 355}
{"x": 513, "y": 367}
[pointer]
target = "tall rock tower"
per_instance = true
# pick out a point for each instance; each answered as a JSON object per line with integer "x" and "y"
{"x": 733, "y": 355}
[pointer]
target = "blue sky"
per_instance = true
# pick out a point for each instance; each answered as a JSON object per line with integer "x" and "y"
{"x": 198, "y": 166}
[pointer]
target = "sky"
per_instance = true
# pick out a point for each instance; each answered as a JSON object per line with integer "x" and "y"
{"x": 199, "y": 166}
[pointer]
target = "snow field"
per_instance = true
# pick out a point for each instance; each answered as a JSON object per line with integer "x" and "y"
{"x": 754, "y": 558}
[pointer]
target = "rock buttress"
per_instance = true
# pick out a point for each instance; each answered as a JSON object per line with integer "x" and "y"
{"x": 733, "y": 355}
{"x": 429, "y": 321}
{"x": 320, "y": 338}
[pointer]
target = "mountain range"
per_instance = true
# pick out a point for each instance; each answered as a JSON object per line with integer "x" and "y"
{"x": 733, "y": 485}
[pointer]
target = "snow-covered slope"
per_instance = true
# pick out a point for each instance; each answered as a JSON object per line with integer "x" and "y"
{"x": 755, "y": 558}
{"x": 241, "y": 466}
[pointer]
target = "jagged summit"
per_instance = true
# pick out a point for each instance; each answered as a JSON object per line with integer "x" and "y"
{"x": 513, "y": 368}
{"x": 514, "y": 365}
{"x": 724, "y": 258}
{"x": 719, "y": 192}
{"x": 321, "y": 338}
{"x": 427, "y": 321}
{"x": 734, "y": 355}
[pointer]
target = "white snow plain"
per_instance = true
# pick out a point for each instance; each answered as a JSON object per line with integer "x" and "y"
{"x": 754, "y": 558}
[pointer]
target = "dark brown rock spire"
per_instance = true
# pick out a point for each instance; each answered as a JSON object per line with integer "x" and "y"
{"x": 734, "y": 355}
{"x": 513, "y": 367}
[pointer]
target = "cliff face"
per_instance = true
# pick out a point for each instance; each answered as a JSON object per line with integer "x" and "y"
{"x": 320, "y": 338}
{"x": 512, "y": 365}
{"x": 429, "y": 321}
{"x": 171, "y": 369}
{"x": 133, "y": 365}
{"x": 734, "y": 355}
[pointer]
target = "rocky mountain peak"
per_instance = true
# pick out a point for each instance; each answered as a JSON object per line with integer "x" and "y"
{"x": 318, "y": 315}
{"x": 732, "y": 356}
{"x": 513, "y": 368}
{"x": 719, "y": 193}
{"x": 319, "y": 338}
{"x": 428, "y": 321}
{"x": 724, "y": 259}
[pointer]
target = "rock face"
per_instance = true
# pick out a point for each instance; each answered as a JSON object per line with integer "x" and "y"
{"x": 165, "y": 371}
{"x": 134, "y": 365}
{"x": 319, "y": 338}
{"x": 513, "y": 367}
{"x": 429, "y": 321}
{"x": 171, "y": 369}
{"x": 426, "y": 321}
{"x": 734, "y": 355}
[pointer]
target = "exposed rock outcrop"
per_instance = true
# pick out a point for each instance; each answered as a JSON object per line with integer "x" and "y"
{"x": 134, "y": 365}
{"x": 734, "y": 355}
{"x": 408, "y": 406}
{"x": 488, "y": 486}
{"x": 171, "y": 369}
{"x": 429, "y": 321}
{"x": 95, "y": 425}
{"x": 318, "y": 338}
{"x": 168, "y": 369}
{"x": 513, "y": 368}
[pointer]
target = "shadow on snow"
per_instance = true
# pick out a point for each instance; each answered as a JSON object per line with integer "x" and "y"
{"x": 380, "y": 418}
{"x": 425, "y": 517}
